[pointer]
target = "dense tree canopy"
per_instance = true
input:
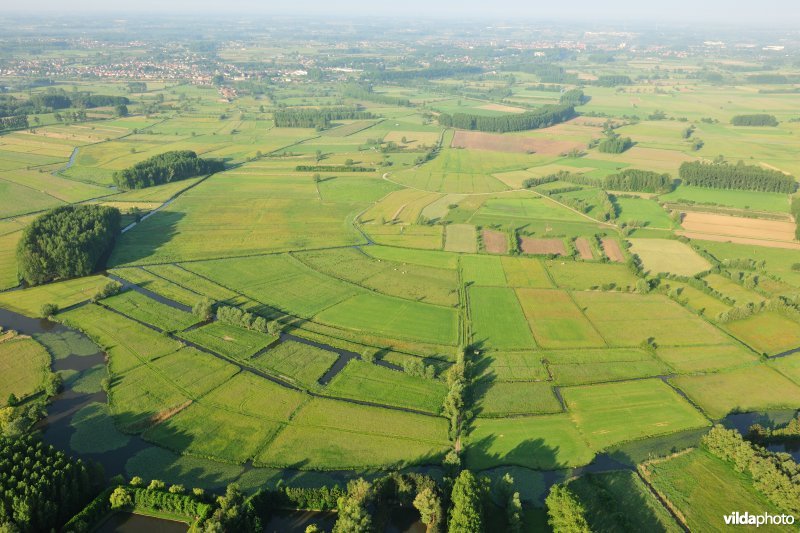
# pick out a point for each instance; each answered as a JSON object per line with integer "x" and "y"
{"x": 573, "y": 97}
{"x": 615, "y": 144}
{"x": 307, "y": 117}
{"x": 430, "y": 73}
{"x": 739, "y": 176}
{"x": 530, "y": 120}
{"x": 758, "y": 119}
{"x": 14, "y": 123}
{"x": 40, "y": 487}
{"x": 565, "y": 512}
{"x": 633, "y": 179}
{"x": 609, "y": 80}
{"x": 364, "y": 91}
{"x": 165, "y": 168}
{"x": 66, "y": 242}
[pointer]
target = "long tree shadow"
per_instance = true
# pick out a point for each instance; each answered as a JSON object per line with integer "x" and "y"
{"x": 499, "y": 450}
{"x": 146, "y": 238}
{"x": 618, "y": 501}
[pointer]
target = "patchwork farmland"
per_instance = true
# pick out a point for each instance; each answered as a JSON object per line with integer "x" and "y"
{"x": 360, "y": 285}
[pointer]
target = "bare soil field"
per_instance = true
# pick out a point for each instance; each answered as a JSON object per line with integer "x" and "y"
{"x": 740, "y": 227}
{"x": 476, "y": 140}
{"x": 613, "y": 251}
{"x": 502, "y": 108}
{"x": 584, "y": 248}
{"x": 495, "y": 242}
{"x": 529, "y": 245}
{"x": 740, "y": 240}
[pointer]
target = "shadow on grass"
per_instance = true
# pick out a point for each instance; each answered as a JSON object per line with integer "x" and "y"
{"x": 146, "y": 238}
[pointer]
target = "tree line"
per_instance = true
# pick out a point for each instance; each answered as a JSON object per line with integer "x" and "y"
{"x": 629, "y": 180}
{"x": 40, "y": 487}
{"x": 757, "y": 119}
{"x": 66, "y": 242}
{"x": 317, "y": 118}
{"x": 429, "y": 73}
{"x": 14, "y": 123}
{"x": 740, "y": 176}
{"x": 636, "y": 180}
{"x": 53, "y": 100}
{"x": 360, "y": 91}
{"x": 611, "y": 80}
{"x": 165, "y": 168}
{"x": 795, "y": 210}
{"x": 530, "y": 120}
{"x": 332, "y": 168}
{"x": 773, "y": 474}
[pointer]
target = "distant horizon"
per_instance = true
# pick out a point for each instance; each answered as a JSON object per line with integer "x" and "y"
{"x": 715, "y": 13}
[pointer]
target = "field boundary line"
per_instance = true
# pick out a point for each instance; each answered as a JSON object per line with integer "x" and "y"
{"x": 644, "y": 475}
{"x": 584, "y": 315}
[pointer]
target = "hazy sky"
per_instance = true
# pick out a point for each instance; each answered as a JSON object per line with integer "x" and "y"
{"x": 692, "y": 12}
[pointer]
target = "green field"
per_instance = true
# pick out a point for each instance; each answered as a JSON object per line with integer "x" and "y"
{"x": 365, "y": 381}
{"x": 642, "y": 212}
{"x": 523, "y": 272}
{"x": 502, "y": 399}
{"x": 757, "y": 201}
{"x": 629, "y": 319}
{"x": 753, "y": 388}
{"x": 768, "y": 332}
{"x": 555, "y": 320}
{"x": 538, "y": 442}
{"x": 23, "y": 363}
{"x": 621, "y": 500}
{"x": 581, "y": 276}
{"x": 514, "y": 366}
{"x": 394, "y": 317}
{"x": 355, "y": 436}
{"x": 232, "y": 341}
{"x": 687, "y": 359}
{"x": 613, "y": 413}
{"x": 406, "y": 280}
{"x": 64, "y": 294}
{"x": 8, "y": 260}
{"x": 127, "y": 343}
{"x": 660, "y": 255}
{"x": 497, "y": 319}
{"x": 693, "y": 483}
{"x": 460, "y": 238}
{"x": 139, "y": 307}
{"x": 482, "y": 270}
{"x": 296, "y": 361}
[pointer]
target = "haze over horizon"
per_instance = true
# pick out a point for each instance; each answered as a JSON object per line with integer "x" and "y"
{"x": 712, "y": 12}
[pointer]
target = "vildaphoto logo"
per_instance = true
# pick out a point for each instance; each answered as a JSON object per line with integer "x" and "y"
{"x": 746, "y": 519}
